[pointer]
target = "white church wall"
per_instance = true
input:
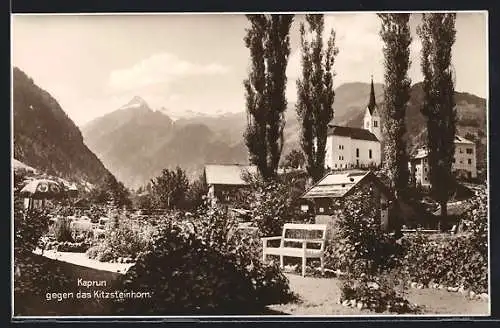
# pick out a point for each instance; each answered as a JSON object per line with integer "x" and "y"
{"x": 341, "y": 152}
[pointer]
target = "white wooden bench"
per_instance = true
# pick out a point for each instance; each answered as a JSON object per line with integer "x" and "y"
{"x": 286, "y": 247}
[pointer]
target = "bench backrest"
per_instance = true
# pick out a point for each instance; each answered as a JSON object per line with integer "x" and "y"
{"x": 308, "y": 230}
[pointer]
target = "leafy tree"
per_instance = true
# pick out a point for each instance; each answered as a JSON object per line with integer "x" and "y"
{"x": 114, "y": 192}
{"x": 274, "y": 203}
{"x": 315, "y": 93}
{"x": 197, "y": 191}
{"x": 170, "y": 188}
{"x": 269, "y": 45}
{"x": 395, "y": 32}
{"x": 294, "y": 159}
{"x": 143, "y": 198}
{"x": 437, "y": 33}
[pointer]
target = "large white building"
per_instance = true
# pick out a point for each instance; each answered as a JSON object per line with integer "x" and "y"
{"x": 348, "y": 147}
{"x": 464, "y": 162}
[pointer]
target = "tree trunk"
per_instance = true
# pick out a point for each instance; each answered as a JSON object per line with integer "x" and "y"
{"x": 444, "y": 214}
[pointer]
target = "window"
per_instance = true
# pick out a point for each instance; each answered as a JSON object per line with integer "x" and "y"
{"x": 461, "y": 162}
{"x": 357, "y": 152}
{"x": 425, "y": 178}
{"x": 425, "y": 160}
{"x": 341, "y": 146}
{"x": 375, "y": 124}
{"x": 425, "y": 169}
{"x": 469, "y": 161}
{"x": 357, "y": 162}
{"x": 460, "y": 150}
{"x": 340, "y": 158}
{"x": 335, "y": 165}
{"x": 468, "y": 150}
{"x": 370, "y": 153}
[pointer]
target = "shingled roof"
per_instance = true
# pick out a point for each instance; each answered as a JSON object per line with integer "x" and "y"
{"x": 340, "y": 184}
{"x": 353, "y": 133}
{"x": 227, "y": 174}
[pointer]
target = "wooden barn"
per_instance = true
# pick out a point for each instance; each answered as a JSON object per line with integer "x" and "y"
{"x": 338, "y": 185}
{"x": 225, "y": 180}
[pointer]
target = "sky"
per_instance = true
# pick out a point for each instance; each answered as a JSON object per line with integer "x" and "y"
{"x": 94, "y": 64}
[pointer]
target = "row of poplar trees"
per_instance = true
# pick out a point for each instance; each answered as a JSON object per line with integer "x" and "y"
{"x": 268, "y": 40}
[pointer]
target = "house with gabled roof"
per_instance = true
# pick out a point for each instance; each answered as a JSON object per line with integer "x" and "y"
{"x": 336, "y": 186}
{"x": 224, "y": 180}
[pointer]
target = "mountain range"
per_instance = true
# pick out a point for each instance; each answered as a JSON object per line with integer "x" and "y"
{"x": 46, "y": 139}
{"x": 136, "y": 142}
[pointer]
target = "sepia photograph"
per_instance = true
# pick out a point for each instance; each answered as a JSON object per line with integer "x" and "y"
{"x": 282, "y": 164}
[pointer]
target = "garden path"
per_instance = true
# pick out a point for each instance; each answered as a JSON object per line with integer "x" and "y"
{"x": 83, "y": 260}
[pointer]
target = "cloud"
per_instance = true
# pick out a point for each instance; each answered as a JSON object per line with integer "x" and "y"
{"x": 360, "y": 51}
{"x": 160, "y": 68}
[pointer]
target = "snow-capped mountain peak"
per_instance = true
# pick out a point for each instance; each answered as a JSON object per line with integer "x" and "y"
{"x": 136, "y": 102}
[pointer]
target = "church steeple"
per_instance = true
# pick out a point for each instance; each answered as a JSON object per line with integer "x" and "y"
{"x": 371, "y": 103}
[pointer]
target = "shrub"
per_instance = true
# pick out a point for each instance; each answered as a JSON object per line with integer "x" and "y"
{"x": 274, "y": 203}
{"x": 367, "y": 254}
{"x": 62, "y": 230}
{"x": 452, "y": 262}
{"x": 202, "y": 265}
{"x": 75, "y": 247}
{"x": 29, "y": 227}
{"x": 361, "y": 246}
{"x": 94, "y": 213}
{"x": 455, "y": 261}
{"x": 378, "y": 296}
{"x": 477, "y": 217}
{"x": 121, "y": 241}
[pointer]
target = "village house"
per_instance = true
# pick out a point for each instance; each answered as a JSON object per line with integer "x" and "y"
{"x": 337, "y": 186}
{"x": 224, "y": 180}
{"x": 348, "y": 147}
{"x": 394, "y": 213}
{"x": 464, "y": 162}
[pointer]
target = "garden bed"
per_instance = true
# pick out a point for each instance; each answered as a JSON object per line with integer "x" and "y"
{"x": 83, "y": 260}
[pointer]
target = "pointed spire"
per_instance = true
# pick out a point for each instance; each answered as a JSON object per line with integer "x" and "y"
{"x": 371, "y": 103}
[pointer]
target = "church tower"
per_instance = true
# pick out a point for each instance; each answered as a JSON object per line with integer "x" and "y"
{"x": 371, "y": 120}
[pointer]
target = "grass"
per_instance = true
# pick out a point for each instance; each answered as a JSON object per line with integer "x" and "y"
{"x": 319, "y": 296}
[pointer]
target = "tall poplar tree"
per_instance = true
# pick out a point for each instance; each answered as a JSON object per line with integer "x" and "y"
{"x": 437, "y": 33}
{"x": 395, "y": 33}
{"x": 315, "y": 93}
{"x": 269, "y": 44}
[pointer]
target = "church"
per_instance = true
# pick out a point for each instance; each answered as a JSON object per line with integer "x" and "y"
{"x": 348, "y": 147}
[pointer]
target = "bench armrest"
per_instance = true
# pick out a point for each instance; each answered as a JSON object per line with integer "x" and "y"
{"x": 266, "y": 239}
{"x": 271, "y": 238}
